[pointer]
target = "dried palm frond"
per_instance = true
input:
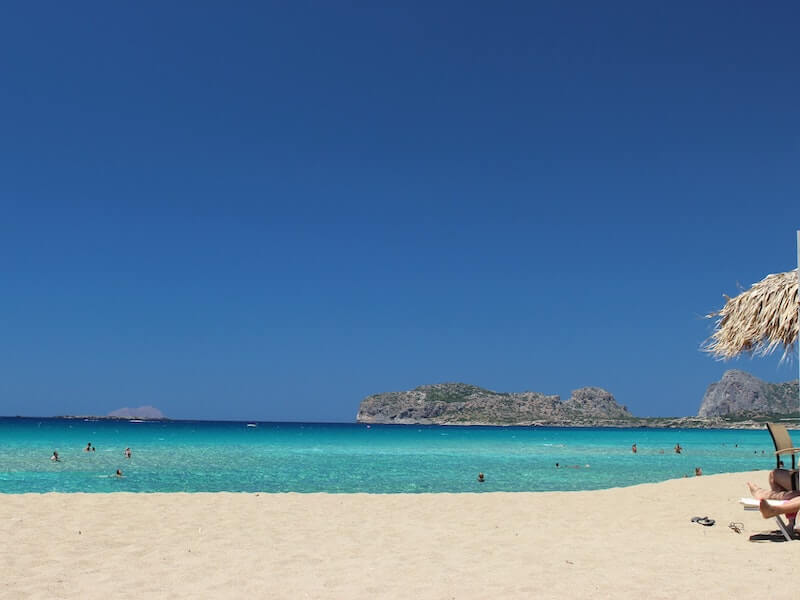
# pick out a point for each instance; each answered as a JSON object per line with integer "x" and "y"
{"x": 758, "y": 320}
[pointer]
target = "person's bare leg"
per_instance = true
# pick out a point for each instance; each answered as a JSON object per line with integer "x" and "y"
{"x": 767, "y": 511}
{"x": 780, "y": 480}
{"x": 760, "y": 493}
{"x": 757, "y": 492}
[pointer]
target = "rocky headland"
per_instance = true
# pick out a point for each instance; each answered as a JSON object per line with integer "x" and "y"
{"x": 743, "y": 395}
{"x": 464, "y": 404}
{"x": 738, "y": 400}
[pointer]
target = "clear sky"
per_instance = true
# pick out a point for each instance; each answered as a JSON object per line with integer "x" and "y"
{"x": 270, "y": 211}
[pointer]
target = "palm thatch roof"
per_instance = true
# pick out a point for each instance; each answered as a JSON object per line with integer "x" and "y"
{"x": 758, "y": 320}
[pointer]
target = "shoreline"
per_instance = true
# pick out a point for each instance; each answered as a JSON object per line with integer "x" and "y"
{"x": 617, "y": 542}
{"x": 748, "y": 475}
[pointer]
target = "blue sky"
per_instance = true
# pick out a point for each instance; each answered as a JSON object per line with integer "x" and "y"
{"x": 269, "y": 211}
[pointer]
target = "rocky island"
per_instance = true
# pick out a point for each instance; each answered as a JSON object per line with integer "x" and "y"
{"x": 465, "y": 404}
{"x": 143, "y": 413}
{"x": 738, "y": 400}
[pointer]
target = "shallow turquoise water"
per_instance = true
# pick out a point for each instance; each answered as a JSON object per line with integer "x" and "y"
{"x": 301, "y": 457}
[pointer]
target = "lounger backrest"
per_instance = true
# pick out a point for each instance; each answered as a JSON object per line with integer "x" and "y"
{"x": 781, "y": 439}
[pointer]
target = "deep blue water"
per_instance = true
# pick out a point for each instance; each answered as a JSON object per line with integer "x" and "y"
{"x": 204, "y": 456}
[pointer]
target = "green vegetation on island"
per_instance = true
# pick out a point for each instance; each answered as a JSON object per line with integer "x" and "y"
{"x": 738, "y": 400}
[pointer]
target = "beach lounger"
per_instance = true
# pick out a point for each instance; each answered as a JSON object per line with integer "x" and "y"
{"x": 787, "y": 529}
{"x": 783, "y": 445}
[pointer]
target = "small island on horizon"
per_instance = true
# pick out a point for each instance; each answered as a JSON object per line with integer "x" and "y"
{"x": 141, "y": 413}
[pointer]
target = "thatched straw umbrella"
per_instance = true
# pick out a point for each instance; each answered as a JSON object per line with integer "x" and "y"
{"x": 758, "y": 320}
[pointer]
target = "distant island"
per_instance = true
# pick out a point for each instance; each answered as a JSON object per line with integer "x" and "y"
{"x": 144, "y": 413}
{"x": 738, "y": 400}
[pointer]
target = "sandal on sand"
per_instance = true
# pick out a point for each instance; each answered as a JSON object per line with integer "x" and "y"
{"x": 703, "y": 521}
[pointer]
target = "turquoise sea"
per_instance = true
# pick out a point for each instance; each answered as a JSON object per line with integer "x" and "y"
{"x": 202, "y": 456}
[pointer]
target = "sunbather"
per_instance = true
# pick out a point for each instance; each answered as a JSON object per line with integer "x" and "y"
{"x": 780, "y": 487}
{"x": 781, "y": 480}
{"x": 790, "y": 507}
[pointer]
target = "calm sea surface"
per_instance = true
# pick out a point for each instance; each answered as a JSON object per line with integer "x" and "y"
{"x": 190, "y": 456}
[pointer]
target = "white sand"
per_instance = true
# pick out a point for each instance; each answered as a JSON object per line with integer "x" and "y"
{"x": 635, "y": 542}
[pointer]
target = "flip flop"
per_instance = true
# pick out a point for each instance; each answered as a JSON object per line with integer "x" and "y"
{"x": 697, "y": 519}
{"x": 706, "y": 521}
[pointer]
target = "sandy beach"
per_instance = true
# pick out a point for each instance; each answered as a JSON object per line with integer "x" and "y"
{"x": 620, "y": 543}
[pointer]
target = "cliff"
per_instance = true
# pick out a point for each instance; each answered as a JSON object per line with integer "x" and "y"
{"x": 464, "y": 404}
{"x": 742, "y": 394}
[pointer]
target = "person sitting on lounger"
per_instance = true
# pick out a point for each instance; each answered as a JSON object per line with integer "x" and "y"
{"x": 790, "y": 507}
{"x": 773, "y": 494}
{"x": 780, "y": 484}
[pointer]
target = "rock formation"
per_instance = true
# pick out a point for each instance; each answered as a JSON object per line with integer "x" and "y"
{"x": 464, "y": 404}
{"x": 742, "y": 394}
{"x": 595, "y": 402}
{"x": 142, "y": 412}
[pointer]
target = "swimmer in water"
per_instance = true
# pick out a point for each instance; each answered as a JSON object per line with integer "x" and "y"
{"x": 127, "y": 452}
{"x": 55, "y": 457}
{"x": 480, "y": 478}
{"x": 119, "y": 473}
